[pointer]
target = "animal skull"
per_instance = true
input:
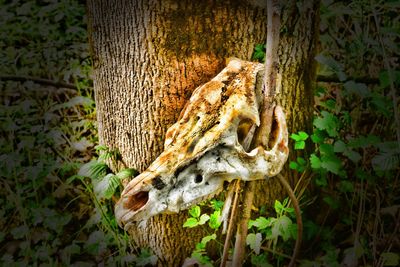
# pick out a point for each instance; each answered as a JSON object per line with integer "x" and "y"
{"x": 204, "y": 148}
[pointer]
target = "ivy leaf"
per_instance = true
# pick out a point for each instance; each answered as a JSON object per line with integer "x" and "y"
{"x": 260, "y": 223}
{"x": 299, "y": 145}
{"x": 333, "y": 65}
{"x": 301, "y": 136}
{"x": 390, "y": 259}
{"x": 333, "y": 203}
{"x": 195, "y": 211}
{"x": 321, "y": 180}
{"x": 216, "y": 204}
{"x": 382, "y": 104}
{"x": 364, "y": 141}
{"x": 19, "y": 231}
{"x": 278, "y": 206}
{"x": 315, "y": 161}
{"x": 327, "y": 122}
{"x": 191, "y": 222}
{"x": 126, "y": 173}
{"x": 254, "y": 241}
{"x": 106, "y": 186}
{"x": 359, "y": 89}
{"x": 280, "y": 227}
{"x": 203, "y": 219}
{"x": 215, "y": 221}
{"x": 318, "y": 136}
{"x": 93, "y": 169}
{"x": 300, "y": 165}
{"x": 386, "y": 160}
{"x": 339, "y": 146}
{"x": 352, "y": 155}
{"x": 259, "y": 52}
{"x": 332, "y": 163}
{"x": 208, "y": 238}
{"x": 260, "y": 260}
{"x": 329, "y": 104}
{"x": 346, "y": 186}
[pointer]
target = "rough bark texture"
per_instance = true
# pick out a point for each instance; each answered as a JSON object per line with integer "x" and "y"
{"x": 149, "y": 56}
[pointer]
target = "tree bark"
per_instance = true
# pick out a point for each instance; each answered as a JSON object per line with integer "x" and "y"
{"x": 149, "y": 56}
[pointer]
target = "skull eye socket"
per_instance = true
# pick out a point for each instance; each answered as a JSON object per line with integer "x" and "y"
{"x": 198, "y": 178}
{"x": 136, "y": 201}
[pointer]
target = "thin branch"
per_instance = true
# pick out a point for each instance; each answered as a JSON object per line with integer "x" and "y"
{"x": 231, "y": 224}
{"x": 37, "y": 80}
{"x": 262, "y": 134}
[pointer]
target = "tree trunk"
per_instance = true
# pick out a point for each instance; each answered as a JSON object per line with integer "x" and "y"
{"x": 149, "y": 56}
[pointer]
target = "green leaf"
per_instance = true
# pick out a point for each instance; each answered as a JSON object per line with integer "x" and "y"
{"x": 93, "y": 169}
{"x": 320, "y": 91}
{"x": 106, "y": 186}
{"x": 359, "y": 89}
{"x": 301, "y": 161}
{"x": 386, "y": 160}
{"x": 321, "y": 180}
{"x": 333, "y": 65}
{"x": 315, "y": 162}
{"x": 294, "y": 165}
{"x": 332, "y": 163}
{"x": 254, "y": 241}
{"x": 216, "y": 204}
{"x": 364, "y": 141}
{"x": 333, "y": 203}
{"x": 19, "y": 231}
{"x": 390, "y": 259}
{"x": 329, "y": 104}
{"x": 280, "y": 227}
{"x": 195, "y": 211}
{"x": 260, "y": 223}
{"x": 327, "y": 122}
{"x": 318, "y": 136}
{"x": 191, "y": 222}
{"x": 203, "y": 219}
{"x": 339, "y": 146}
{"x": 146, "y": 258}
{"x": 215, "y": 221}
{"x": 208, "y": 238}
{"x": 259, "y": 52}
{"x": 352, "y": 155}
{"x": 260, "y": 260}
{"x": 346, "y": 186}
{"x": 299, "y": 166}
{"x": 278, "y": 206}
{"x": 299, "y": 145}
{"x": 301, "y": 136}
{"x": 126, "y": 173}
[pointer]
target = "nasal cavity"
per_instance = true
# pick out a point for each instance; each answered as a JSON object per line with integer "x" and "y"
{"x": 244, "y": 134}
{"x": 137, "y": 201}
{"x": 274, "y": 134}
{"x": 198, "y": 178}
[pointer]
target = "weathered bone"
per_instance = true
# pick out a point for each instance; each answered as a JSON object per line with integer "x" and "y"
{"x": 203, "y": 149}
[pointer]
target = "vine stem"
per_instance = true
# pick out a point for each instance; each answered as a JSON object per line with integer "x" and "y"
{"x": 299, "y": 220}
